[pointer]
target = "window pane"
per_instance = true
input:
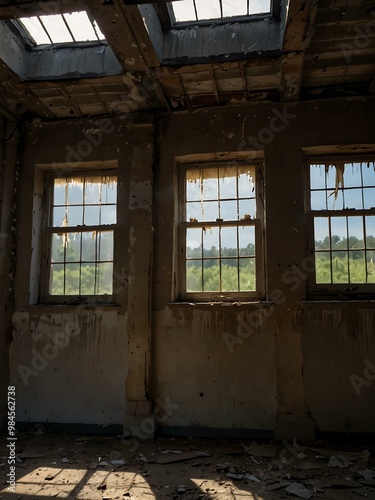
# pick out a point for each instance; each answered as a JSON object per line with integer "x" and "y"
{"x": 211, "y": 275}
{"x": 57, "y": 279}
{"x": 75, "y": 216}
{"x": 355, "y": 226}
{"x": 210, "y": 211}
{"x": 246, "y": 236}
{"x": 89, "y": 247}
{"x": 73, "y": 247}
{"x": 234, "y": 8}
{"x": 92, "y": 192}
{"x": 228, "y": 210}
{"x": 72, "y": 279}
{"x": 330, "y": 175}
{"x": 229, "y": 275}
{"x": 211, "y": 242}
{"x": 59, "y": 217}
{"x": 319, "y": 200}
{"x": 259, "y": 6}
{"x": 340, "y": 267}
{"x": 88, "y": 279}
{"x": 247, "y": 208}
{"x": 338, "y": 233}
{"x": 228, "y": 182}
{"x": 210, "y": 184}
{"x": 229, "y": 242}
{"x": 194, "y": 276}
{"x": 184, "y": 10}
{"x": 352, "y": 175}
{"x": 109, "y": 192}
{"x": 247, "y": 275}
{"x": 246, "y": 182}
{"x": 353, "y": 198}
{"x": 105, "y": 271}
{"x": 58, "y": 248}
{"x": 323, "y": 267}
{"x": 59, "y": 193}
{"x": 108, "y": 215}
{"x": 194, "y": 243}
{"x": 357, "y": 267}
{"x": 92, "y": 214}
{"x": 317, "y": 177}
{"x": 75, "y": 191}
{"x": 369, "y": 198}
{"x": 368, "y": 174}
{"x": 207, "y": 10}
{"x": 321, "y": 233}
{"x": 106, "y": 246}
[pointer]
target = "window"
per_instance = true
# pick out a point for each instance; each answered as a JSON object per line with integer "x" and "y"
{"x": 221, "y": 232}
{"x": 341, "y": 211}
{"x": 80, "y": 236}
{"x": 200, "y": 10}
{"x": 60, "y": 28}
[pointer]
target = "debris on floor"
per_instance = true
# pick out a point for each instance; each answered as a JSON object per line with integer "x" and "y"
{"x": 110, "y": 468}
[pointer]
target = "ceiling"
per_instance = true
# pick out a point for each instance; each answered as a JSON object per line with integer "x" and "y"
{"x": 327, "y": 49}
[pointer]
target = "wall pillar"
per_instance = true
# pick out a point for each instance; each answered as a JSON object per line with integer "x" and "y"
{"x": 8, "y": 200}
{"x": 138, "y": 420}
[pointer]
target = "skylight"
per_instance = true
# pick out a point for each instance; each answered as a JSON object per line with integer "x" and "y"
{"x": 61, "y": 28}
{"x": 201, "y": 10}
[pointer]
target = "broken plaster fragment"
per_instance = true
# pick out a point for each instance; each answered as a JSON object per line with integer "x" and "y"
{"x": 299, "y": 490}
{"x": 236, "y": 477}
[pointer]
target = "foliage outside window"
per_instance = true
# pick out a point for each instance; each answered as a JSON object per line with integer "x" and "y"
{"x": 220, "y": 232}
{"x": 80, "y": 236}
{"x": 342, "y": 224}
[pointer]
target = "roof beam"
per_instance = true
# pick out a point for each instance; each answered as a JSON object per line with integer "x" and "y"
{"x": 298, "y": 34}
{"x": 119, "y": 35}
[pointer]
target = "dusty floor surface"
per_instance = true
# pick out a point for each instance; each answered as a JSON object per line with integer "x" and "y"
{"x": 65, "y": 466}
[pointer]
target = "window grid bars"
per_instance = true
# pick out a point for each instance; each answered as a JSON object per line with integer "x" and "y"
{"x": 221, "y": 9}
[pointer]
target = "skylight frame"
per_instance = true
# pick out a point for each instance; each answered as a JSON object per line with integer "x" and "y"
{"x": 274, "y": 12}
{"x": 34, "y": 44}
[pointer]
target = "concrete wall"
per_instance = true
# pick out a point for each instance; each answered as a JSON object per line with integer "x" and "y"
{"x": 281, "y": 367}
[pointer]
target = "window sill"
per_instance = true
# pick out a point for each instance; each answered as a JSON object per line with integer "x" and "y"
{"x": 241, "y": 304}
{"x": 69, "y": 308}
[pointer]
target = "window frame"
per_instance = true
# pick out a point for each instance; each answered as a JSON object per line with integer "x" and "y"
{"x": 258, "y": 223}
{"x": 332, "y": 291}
{"x": 48, "y": 230}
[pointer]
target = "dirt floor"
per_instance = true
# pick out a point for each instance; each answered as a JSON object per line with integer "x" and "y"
{"x": 65, "y": 466}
